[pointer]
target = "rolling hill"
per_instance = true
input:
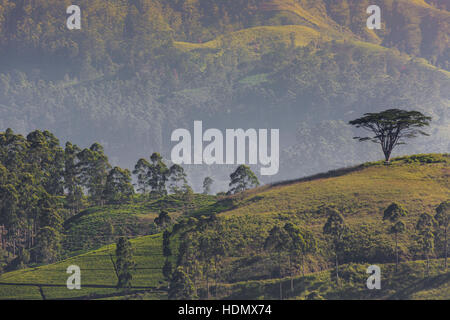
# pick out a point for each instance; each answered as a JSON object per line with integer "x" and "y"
{"x": 361, "y": 193}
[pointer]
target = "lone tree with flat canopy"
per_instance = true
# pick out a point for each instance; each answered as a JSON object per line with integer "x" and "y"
{"x": 392, "y": 127}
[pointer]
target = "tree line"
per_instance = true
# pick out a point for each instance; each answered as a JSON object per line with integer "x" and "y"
{"x": 206, "y": 246}
{"x": 42, "y": 184}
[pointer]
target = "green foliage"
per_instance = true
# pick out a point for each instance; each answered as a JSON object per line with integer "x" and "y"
{"x": 125, "y": 264}
{"x": 158, "y": 174}
{"x": 391, "y": 127}
{"x": 177, "y": 178}
{"x": 118, "y": 187}
{"x": 163, "y": 219}
{"x": 394, "y": 212}
{"x": 97, "y": 270}
{"x": 181, "y": 287}
{"x": 242, "y": 179}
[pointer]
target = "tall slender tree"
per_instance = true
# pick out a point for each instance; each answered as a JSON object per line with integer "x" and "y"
{"x": 141, "y": 171}
{"x": 158, "y": 175}
{"x": 424, "y": 227}
{"x": 300, "y": 244}
{"x": 443, "y": 218}
{"x": 94, "y": 167}
{"x": 118, "y": 187}
{"x": 334, "y": 228}
{"x": 394, "y": 213}
{"x": 177, "y": 178}
{"x": 278, "y": 241}
{"x": 125, "y": 264}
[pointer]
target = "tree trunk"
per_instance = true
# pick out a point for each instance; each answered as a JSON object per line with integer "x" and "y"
{"x": 445, "y": 249}
{"x": 207, "y": 285}
{"x": 292, "y": 278}
{"x": 215, "y": 277}
{"x": 337, "y": 268}
{"x": 281, "y": 278}
{"x": 303, "y": 265}
{"x": 281, "y": 290}
{"x": 396, "y": 253}
{"x": 387, "y": 155}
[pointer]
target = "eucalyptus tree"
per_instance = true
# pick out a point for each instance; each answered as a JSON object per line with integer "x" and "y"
{"x": 125, "y": 264}
{"x": 94, "y": 167}
{"x": 335, "y": 228}
{"x": 393, "y": 213}
{"x": 158, "y": 175}
{"x": 443, "y": 218}
{"x": 278, "y": 241}
{"x": 177, "y": 179}
{"x": 72, "y": 177}
{"x": 118, "y": 187}
{"x": 141, "y": 171}
{"x": 242, "y": 179}
{"x": 424, "y": 227}
{"x": 301, "y": 243}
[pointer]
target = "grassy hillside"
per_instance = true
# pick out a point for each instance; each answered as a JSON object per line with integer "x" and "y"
{"x": 97, "y": 274}
{"x": 408, "y": 283}
{"x": 361, "y": 193}
{"x": 259, "y": 39}
{"x": 97, "y": 226}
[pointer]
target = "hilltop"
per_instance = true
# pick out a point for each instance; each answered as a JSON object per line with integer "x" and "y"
{"x": 360, "y": 193}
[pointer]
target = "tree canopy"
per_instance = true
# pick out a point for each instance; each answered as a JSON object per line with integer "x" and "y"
{"x": 392, "y": 127}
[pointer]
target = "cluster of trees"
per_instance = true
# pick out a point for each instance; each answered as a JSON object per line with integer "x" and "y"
{"x": 427, "y": 229}
{"x": 207, "y": 244}
{"x": 296, "y": 242}
{"x": 199, "y": 259}
{"x": 43, "y": 184}
{"x": 155, "y": 178}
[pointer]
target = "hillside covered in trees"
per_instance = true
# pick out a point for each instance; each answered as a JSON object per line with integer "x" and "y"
{"x": 139, "y": 69}
{"x": 271, "y": 242}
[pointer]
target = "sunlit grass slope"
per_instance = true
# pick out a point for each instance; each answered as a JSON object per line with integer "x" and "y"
{"x": 257, "y": 38}
{"x": 97, "y": 226}
{"x": 359, "y": 193}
